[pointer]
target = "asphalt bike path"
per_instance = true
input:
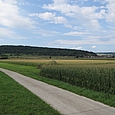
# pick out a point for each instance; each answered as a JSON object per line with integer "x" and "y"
{"x": 67, "y": 103}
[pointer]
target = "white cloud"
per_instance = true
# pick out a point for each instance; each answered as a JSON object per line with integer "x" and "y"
{"x": 46, "y": 33}
{"x": 8, "y": 33}
{"x": 100, "y": 1}
{"x": 74, "y": 42}
{"x": 110, "y": 17}
{"x": 59, "y": 2}
{"x": 21, "y": 37}
{"x": 92, "y": 25}
{"x": 87, "y": 17}
{"x": 75, "y": 10}
{"x": 46, "y": 16}
{"x": 60, "y": 20}
{"x": 91, "y": 12}
{"x": 5, "y": 32}
{"x": 85, "y": 41}
{"x": 10, "y": 15}
{"x": 75, "y": 33}
{"x": 79, "y": 48}
{"x": 52, "y": 18}
{"x": 67, "y": 9}
{"x": 93, "y": 47}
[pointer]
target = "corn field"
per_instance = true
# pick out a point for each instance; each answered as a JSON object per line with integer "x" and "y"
{"x": 97, "y": 75}
{"x": 98, "y": 78}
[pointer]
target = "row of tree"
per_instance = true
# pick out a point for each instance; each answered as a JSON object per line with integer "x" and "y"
{"x": 42, "y": 51}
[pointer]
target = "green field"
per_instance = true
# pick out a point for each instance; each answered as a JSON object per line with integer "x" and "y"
{"x": 17, "y": 100}
{"x": 94, "y": 79}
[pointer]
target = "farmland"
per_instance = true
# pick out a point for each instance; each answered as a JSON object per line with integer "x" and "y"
{"x": 80, "y": 62}
{"x": 92, "y": 78}
{"x": 95, "y": 77}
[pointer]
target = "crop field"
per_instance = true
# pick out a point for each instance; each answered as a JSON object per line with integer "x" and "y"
{"x": 97, "y": 75}
{"x": 35, "y": 62}
{"x": 84, "y": 77}
{"x": 98, "y": 78}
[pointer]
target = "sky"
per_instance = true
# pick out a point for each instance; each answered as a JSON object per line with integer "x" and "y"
{"x": 72, "y": 24}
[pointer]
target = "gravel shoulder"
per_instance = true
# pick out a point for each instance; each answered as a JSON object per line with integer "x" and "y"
{"x": 67, "y": 103}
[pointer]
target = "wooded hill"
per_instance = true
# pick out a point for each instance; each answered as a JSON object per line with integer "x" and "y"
{"x": 42, "y": 51}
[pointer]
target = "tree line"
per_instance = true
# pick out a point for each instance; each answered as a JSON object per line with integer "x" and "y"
{"x": 42, "y": 51}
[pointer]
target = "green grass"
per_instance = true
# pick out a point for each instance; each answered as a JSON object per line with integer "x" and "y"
{"x": 17, "y": 100}
{"x": 33, "y": 72}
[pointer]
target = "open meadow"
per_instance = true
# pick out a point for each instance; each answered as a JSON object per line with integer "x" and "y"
{"x": 92, "y": 78}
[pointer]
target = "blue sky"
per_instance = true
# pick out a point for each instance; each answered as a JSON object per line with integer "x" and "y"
{"x": 74, "y": 24}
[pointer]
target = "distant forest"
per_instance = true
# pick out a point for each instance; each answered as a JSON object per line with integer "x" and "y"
{"x": 11, "y": 50}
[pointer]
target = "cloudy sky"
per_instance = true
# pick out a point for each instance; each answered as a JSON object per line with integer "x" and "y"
{"x": 79, "y": 24}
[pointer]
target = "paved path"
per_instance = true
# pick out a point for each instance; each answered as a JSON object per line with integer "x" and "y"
{"x": 65, "y": 102}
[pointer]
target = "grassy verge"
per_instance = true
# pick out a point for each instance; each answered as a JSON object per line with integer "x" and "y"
{"x": 17, "y": 100}
{"x": 33, "y": 72}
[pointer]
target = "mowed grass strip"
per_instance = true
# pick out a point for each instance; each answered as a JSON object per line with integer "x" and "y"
{"x": 17, "y": 100}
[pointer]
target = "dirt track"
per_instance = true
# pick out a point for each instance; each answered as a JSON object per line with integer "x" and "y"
{"x": 65, "y": 102}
